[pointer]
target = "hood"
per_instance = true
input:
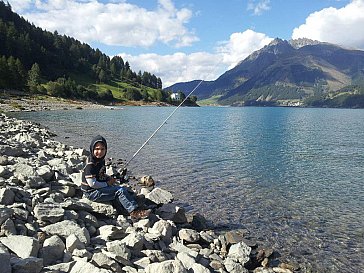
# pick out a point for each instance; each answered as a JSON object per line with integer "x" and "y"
{"x": 95, "y": 140}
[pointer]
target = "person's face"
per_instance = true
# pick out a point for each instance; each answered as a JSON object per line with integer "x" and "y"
{"x": 99, "y": 150}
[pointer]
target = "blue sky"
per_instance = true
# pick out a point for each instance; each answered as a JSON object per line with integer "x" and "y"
{"x": 183, "y": 40}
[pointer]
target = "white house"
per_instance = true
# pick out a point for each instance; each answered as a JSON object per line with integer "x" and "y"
{"x": 175, "y": 96}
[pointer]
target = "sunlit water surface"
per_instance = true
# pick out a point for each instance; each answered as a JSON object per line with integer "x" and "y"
{"x": 293, "y": 177}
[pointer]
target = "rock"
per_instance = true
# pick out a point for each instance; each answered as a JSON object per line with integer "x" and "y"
{"x": 5, "y": 213}
{"x": 61, "y": 267}
{"x": 27, "y": 265}
{"x": 234, "y": 237}
{"x": 199, "y": 222}
{"x": 52, "y": 250}
{"x": 103, "y": 261}
{"x": 189, "y": 235}
{"x": 100, "y": 208}
{"x": 159, "y": 196}
{"x": 23, "y": 170}
{"x": 134, "y": 241}
{"x": 66, "y": 228}
{"x": 50, "y": 212}
{"x": 3, "y": 161}
{"x": 34, "y": 182}
{"x": 169, "y": 266}
{"x": 119, "y": 252}
{"x": 22, "y": 246}
{"x": 8, "y": 228}
{"x": 147, "y": 181}
{"x": 232, "y": 266}
{"x": 163, "y": 229}
{"x": 198, "y": 268}
{"x": 7, "y": 196}
{"x": 83, "y": 266}
{"x": 5, "y": 266}
{"x": 111, "y": 232}
{"x": 239, "y": 252}
{"x": 186, "y": 259}
{"x": 45, "y": 172}
{"x": 72, "y": 243}
{"x": 172, "y": 212}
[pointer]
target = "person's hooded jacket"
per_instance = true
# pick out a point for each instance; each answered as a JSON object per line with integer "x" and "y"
{"x": 94, "y": 173}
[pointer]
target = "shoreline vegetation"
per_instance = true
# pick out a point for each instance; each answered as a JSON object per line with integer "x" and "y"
{"x": 46, "y": 225}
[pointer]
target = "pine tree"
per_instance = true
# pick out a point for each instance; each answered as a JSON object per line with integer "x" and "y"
{"x": 34, "y": 76}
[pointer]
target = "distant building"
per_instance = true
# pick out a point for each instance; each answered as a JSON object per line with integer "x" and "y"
{"x": 176, "y": 96}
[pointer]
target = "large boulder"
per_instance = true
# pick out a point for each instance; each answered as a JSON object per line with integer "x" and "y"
{"x": 22, "y": 246}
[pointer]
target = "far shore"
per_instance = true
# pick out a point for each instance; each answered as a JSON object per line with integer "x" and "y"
{"x": 17, "y": 103}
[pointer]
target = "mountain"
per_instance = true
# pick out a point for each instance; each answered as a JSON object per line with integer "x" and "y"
{"x": 296, "y": 72}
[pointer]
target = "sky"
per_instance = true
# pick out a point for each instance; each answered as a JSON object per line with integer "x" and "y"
{"x": 184, "y": 40}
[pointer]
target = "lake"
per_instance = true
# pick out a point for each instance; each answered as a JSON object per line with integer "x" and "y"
{"x": 293, "y": 177}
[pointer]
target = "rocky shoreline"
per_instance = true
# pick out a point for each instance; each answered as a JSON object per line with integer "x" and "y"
{"x": 46, "y": 225}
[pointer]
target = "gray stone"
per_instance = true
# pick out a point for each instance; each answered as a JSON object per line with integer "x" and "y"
{"x": 72, "y": 243}
{"x": 119, "y": 252}
{"x": 142, "y": 262}
{"x": 22, "y": 246}
{"x": 164, "y": 229}
{"x": 3, "y": 161}
{"x": 83, "y": 266}
{"x": 101, "y": 208}
{"x": 155, "y": 255}
{"x": 160, "y": 196}
{"x": 76, "y": 178}
{"x": 169, "y": 266}
{"x": 61, "y": 267}
{"x": 23, "y": 170}
{"x": 8, "y": 228}
{"x": 45, "y": 172}
{"x": 5, "y": 213}
{"x": 5, "y": 266}
{"x": 67, "y": 191}
{"x": 198, "y": 268}
{"x": 66, "y": 228}
{"x": 239, "y": 252}
{"x": 189, "y": 235}
{"x": 134, "y": 241}
{"x": 172, "y": 212}
{"x": 111, "y": 232}
{"x": 186, "y": 259}
{"x": 7, "y": 196}
{"x": 50, "y": 212}
{"x": 52, "y": 251}
{"x": 102, "y": 260}
{"x": 234, "y": 267}
{"x": 12, "y": 151}
{"x": 82, "y": 253}
{"x": 27, "y": 265}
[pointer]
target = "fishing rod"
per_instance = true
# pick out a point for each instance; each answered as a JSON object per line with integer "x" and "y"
{"x": 160, "y": 126}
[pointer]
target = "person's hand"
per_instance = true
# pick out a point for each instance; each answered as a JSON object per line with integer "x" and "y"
{"x": 111, "y": 181}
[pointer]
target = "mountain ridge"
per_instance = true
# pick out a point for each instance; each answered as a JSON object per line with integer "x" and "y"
{"x": 287, "y": 73}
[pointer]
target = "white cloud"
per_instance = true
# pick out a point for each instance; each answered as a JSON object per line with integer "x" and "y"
{"x": 181, "y": 67}
{"x": 113, "y": 23}
{"x": 241, "y": 45}
{"x": 342, "y": 26}
{"x": 258, "y": 7}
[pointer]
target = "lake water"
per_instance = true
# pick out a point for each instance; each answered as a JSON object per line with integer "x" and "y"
{"x": 293, "y": 177}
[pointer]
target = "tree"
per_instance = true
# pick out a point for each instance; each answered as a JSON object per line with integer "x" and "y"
{"x": 34, "y": 75}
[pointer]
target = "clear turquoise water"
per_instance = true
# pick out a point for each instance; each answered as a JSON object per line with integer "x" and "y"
{"x": 293, "y": 177}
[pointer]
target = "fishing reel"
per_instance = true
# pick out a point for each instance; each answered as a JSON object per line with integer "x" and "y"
{"x": 121, "y": 176}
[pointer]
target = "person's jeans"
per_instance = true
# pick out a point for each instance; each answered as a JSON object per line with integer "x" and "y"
{"x": 113, "y": 193}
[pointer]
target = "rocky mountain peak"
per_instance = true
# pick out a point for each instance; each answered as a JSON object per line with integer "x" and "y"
{"x": 301, "y": 42}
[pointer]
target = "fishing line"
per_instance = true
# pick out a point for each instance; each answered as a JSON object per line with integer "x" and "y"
{"x": 160, "y": 126}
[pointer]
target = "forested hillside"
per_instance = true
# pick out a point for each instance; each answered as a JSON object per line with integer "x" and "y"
{"x": 38, "y": 61}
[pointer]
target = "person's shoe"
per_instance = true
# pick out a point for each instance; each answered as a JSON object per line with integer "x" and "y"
{"x": 139, "y": 214}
